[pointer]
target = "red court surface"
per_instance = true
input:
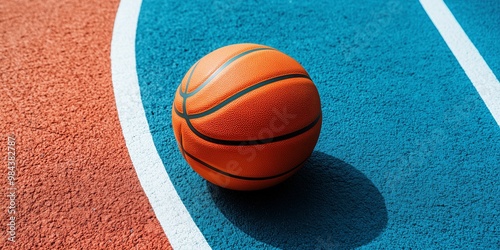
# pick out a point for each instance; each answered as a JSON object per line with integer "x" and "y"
{"x": 75, "y": 186}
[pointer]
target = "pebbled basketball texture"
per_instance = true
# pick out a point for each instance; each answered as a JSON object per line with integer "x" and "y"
{"x": 246, "y": 116}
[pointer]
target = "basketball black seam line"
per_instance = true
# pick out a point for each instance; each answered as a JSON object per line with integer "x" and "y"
{"x": 189, "y": 78}
{"x": 185, "y": 153}
{"x": 242, "y": 177}
{"x": 237, "y": 142}
{"x": 244, "y": 92}
{"x": 252, "y": 142}
{"x": 218, "y": 70}
{"x": 186, "y": 95}
{"x": 243, "y": 142}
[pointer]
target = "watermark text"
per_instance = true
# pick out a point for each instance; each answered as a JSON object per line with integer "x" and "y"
{"x": 11, "y": 188}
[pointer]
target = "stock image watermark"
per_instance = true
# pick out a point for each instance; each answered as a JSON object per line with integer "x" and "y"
{"x": 327, "y": 243}
{"x": 279, "y": 121}
{"x": 365, "y": 35}
{"x": 222, "y": 8}
{"x": 11, "y": 188}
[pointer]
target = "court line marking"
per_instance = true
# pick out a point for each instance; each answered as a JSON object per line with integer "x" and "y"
{"x": 173, "y": 216}
{"x": 467, "y": 55}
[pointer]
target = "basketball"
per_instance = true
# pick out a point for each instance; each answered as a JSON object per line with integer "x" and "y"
{"x": 246, "y": 116}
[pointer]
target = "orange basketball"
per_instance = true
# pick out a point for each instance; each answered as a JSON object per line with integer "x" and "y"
{"x": 246, "y": 116}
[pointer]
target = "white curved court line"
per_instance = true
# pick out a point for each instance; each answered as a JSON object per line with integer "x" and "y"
{"x": 173, "y": 216}
{"x": 468, "y": 56}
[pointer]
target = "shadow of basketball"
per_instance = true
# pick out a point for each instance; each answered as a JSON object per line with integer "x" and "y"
{"x": 327, "y": 205}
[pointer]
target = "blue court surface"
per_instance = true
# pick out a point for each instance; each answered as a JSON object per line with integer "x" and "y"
{"x": 408, "y": 155}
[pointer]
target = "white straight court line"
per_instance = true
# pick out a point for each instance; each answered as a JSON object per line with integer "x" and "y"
{"x": 173, "y": 216}
{"x": 468, "y": 56}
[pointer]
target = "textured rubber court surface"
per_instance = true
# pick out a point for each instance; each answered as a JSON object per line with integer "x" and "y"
{"x": 408, "y": 155}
